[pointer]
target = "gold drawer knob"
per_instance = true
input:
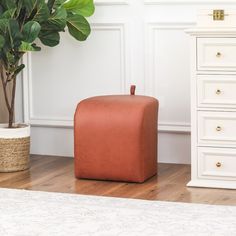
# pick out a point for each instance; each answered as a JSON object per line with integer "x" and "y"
{"x": 218, "y": 91}
{"x": 218, "y": 54}
{"x": 218, "y": 128}
{"x": 218, "y": 164}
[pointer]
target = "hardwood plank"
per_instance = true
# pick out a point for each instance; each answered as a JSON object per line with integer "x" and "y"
{"x": 55, "y": 174}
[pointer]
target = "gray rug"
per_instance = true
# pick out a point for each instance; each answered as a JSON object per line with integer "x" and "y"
{"x": 32, "y": 213}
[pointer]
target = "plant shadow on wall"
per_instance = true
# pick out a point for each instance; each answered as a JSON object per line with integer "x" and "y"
{"x": 21, "y": 23}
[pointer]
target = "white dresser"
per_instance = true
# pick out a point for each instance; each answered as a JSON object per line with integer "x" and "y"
{"x": 213, "y": 107}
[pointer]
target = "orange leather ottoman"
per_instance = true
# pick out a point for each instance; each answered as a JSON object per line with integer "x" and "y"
{"x": 116, "y": 138}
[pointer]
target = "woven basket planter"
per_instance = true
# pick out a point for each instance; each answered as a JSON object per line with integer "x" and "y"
{"x": 14, "y": 148}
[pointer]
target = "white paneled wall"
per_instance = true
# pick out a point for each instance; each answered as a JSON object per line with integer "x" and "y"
{"x": 138, "y": 42}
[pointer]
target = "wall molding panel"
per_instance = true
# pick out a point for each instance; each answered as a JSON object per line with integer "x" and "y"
{"x": 29, "y": 116}
{"x": 151, "y": 79}
{"x": 150, "y": 29}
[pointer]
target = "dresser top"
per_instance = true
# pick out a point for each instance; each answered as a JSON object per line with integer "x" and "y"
{"x": 213, "y": 31}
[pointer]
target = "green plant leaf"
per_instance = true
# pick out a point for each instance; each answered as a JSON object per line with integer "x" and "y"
{"x": 78, "y": 27}
{"x": 19, "y": 8}
{"x": 15, "y": 35}
{"x": 87, "y": 9}
{"x": 49, "y": 38}
{"x": 10, "y": 58}
{"x": 27, "y": 47}
{"x": 36, "y": 10}
{"x": 9, "y": 13}
{"x": 8, "y": 4}
{"x": 19, "y": 69}
{"x": 42, "y": 12}
{"x": 54, "y": 4}
{"x": 1, "y": 9}
{"x": 57, "y": 21}
{"x": 50, "y": 4}
{"x": 3, "y": 25}
{"x": 71, "y": 4}
{"x": 81, "y": 7}
{"x": 31, "y": 31}
{"x": 2, "y": 42}
{"x": 29, "y": 5}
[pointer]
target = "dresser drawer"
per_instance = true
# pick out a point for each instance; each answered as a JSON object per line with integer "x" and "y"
{"x": 216, "y": 54}
{"x": 216, "y": 163}
{"x": 217, "y": 128}
{"x": 216, "y": 91}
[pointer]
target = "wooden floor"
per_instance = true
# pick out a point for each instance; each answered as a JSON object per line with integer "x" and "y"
{"x": 55, "y": 174}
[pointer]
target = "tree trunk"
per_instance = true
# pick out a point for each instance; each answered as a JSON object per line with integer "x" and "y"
{"x": 12, "y": 108}
{"x": 8, "y": 83}
{"x": 3, "y": 108}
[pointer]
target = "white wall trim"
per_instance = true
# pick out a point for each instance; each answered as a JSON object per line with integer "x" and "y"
{"x": 29, "y": 116}
{"x": 187, "y": 2}
{"x": 26, "y": 74}
{"x": 52, "y": 122}
{"x": 162, "y": 127}
{"x": 174, "y": 127}
{"x": 150, "y": 80}
{"x": 110, "y": 2}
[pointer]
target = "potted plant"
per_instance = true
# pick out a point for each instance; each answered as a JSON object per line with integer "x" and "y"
{"x": 21, "y": 23}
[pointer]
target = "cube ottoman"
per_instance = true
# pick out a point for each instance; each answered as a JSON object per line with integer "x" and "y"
{"x": 115, "y": 138}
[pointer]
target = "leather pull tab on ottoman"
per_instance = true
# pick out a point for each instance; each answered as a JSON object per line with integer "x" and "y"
{"x": 132, "y": 89}
{"x": 116, "y": 138}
